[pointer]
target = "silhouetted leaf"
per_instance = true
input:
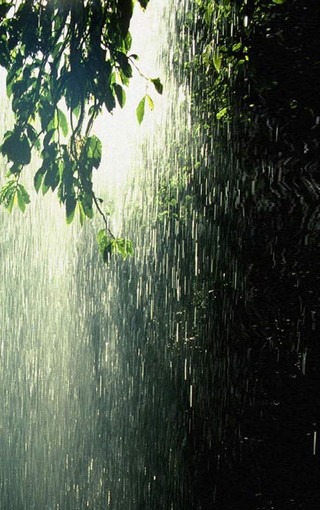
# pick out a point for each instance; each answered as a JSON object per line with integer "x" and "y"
{"x": 158, "y": 85}
{"x": 22, "y": 197}
{"x": 120, "y": 93}
{"x": 70, "y": 208}
{"x": 16, "y": 147}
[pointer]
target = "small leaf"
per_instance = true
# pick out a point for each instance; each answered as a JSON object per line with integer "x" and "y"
{"x": 70, "y": 208}
{"x": 150, "y": 102}
{"x": 140, "y": 110}
{"x": 21, "y": 202}
{"x": 129, "y": 247}
{"x": 158, "y": 85}
{"x": 221, "y": 113}
{"x": 33, "y": 136}
{"x": 76, "y": 111}
{"x": 63, "y": 124}
{"x": 86, "y": 203}
{"x": 25, "y": 195}
{"x": 217, "y": 61}
{"x": 105, "y": 245}
{"x": 11, "y": 202}
{"x": 6, "y": 192}
{"x": 102, "y": 236}
{"x": 120, "y": 93}
{"x": 38, "y": 178}
{"x": 81, "y": 214}
{"x": 237, "y": 46}
{"x": 94, "y": 150}
{"x": 124, "y": 64}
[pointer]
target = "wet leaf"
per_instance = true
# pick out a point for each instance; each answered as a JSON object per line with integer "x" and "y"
{"x": 63, "y": 124}
{"x": 70, "y": 208}
{"x": 120, "y": 93}
{"x": 140, "y": 109}
{"x": 22, "y": 197}
{"x": 222, "y": 113}
{"x": 150, "y": 102}
{"x": 158, "y": 85}
{"x": 217, "y": 61}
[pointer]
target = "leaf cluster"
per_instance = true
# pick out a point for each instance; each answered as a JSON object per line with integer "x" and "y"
{"x": 66, "y": 61}
{"x": 109, "y": 245}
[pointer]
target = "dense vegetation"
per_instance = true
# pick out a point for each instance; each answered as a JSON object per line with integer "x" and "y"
{"x": 66, "y": 62}
{"x": 240, "y": 327}
{"x": 255, "y": 77}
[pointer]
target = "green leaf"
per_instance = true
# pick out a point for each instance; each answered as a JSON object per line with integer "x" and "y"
{"x": 52, "y": 176}
{"x": 124, "y": 64}
{"x": 82, "y": 216}
{"x": 6, "y": 192}
{"x": 86, "y": 203}
{"x": 16, "y": 147}
{"x": 38, "y": 178}
{"x": 94, "y": 150}
{"x": 63, "y": 124}
{"x": 11, "y": 202}
{"x": 237, "y": 46}
{"x": 70, "y": 208}
{"x": 10, "y": 80}
{"x": 122, "y": 246}
{"x": 150, "y": 102}
{"x": 76, "y": 111}
{"x": 221, "y": 113}
{"x": 48, "y": 138}
{"x": 105, "y": 245}
{"x": 120, "y": 93}
{"x": 129, "y": 247}
{"x": 140, "y": 110}
{"x": 109, "y": 99}
{"x": 158, "y": 85}
{"x": 23, "y": 198}
{"x": 217, "y": 61}
{"x": 33, "y": 136}
{"x": 102, "y": 236}
{"x": 46, "y": 113}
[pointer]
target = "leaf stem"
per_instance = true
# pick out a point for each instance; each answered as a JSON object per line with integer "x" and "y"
{"x": 102, "y": 214}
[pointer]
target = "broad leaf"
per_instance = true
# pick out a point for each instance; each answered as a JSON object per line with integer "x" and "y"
{"x": 150, "y": 102}
{"x": 140, "y": 109}
{"x": 63, "y": 124}
{"x": 158, "y": 85}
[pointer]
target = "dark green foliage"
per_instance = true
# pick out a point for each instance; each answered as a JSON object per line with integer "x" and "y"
{"x": 256, "y": 88}
{"x": 63, "y": 54}
{"x": 13, "y": 192}
{"x": 158, "y": 85}
{"x": 108, "y": 245}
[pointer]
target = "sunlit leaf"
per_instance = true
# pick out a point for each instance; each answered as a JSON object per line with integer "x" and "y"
{"x": 140, "y": 110}
{"x": 70, "y": 208}
{"x": 217, "y": 61}
{"x": 94, "y": 150}
{"x": 222, "y": 113}
{"x": 150, "y": 102}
